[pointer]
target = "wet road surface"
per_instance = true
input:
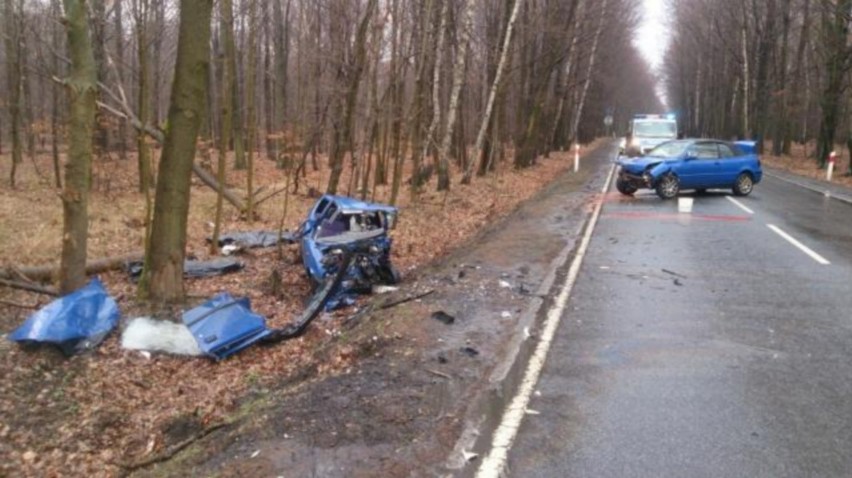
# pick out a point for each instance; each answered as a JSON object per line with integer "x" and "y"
{"x": 713, "y": 343}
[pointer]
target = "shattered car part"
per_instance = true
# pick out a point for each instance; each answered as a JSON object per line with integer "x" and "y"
{"x": 75, "y": 322}
{"x": 338, "y": 225}
{"x": 223, "y": 326}
{"x": 252, "y": 239}
{"x": 195, "y": 269}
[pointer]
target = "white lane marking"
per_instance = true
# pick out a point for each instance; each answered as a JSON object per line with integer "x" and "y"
{"x": 792, "y": 240}
{"x": 504, "y": 436}
{"x": 740, "y": 205}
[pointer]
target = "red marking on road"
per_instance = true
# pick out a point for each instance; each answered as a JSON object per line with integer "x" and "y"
{"x": 664, "y": 216}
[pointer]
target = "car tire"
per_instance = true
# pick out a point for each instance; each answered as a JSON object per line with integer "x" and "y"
{"x": 624, "y": 187}
{"x": 743, "y": 185}
{"x": 668, "y": 186}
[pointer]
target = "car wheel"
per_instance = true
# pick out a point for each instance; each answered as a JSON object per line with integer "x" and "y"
{"x": 668, "y": 186}
{"x": 743, "y": 185}
{"x": 624, "y": 187}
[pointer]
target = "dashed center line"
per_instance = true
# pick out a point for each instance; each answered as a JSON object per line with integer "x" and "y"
{"x": 740, "y": 205}
{"x": 792, "y": 240}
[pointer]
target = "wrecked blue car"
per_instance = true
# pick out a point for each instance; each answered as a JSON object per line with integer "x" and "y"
{"x": 345, "y": 231}
{"x": 692, "y": 164}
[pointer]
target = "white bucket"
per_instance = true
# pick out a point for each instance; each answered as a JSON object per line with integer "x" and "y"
{"x": 684, "y": 205}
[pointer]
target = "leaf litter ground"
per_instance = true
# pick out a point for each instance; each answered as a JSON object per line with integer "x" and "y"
{"x": 93, "y": 413}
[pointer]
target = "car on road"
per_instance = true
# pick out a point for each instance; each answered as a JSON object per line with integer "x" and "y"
{"x": 698, "y": 164}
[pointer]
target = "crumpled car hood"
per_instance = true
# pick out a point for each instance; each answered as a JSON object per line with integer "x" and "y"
{"x": 639, "y": 164}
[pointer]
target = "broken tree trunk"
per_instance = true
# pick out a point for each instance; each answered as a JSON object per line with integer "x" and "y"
{"x": 46, "y": 273}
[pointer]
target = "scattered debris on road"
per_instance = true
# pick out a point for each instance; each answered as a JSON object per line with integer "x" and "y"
{"x": 444, "y": 317}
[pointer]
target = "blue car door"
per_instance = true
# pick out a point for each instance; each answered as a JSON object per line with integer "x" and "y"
{"x": 700, "y": 167}
{"x": 731, "y": 164}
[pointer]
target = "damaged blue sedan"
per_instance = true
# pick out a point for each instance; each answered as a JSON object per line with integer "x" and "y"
{"x": 692, "y": 164}
{"x": 345, "y": 233}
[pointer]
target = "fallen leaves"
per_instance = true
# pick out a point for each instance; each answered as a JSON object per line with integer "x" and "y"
{"x": 86, "y": 415}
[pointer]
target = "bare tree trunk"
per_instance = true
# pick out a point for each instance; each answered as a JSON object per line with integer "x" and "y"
{"x": 82, "y": 89}
{"x": 14, "y": 85}
{"x": 162, "y": 278}
{"x": 118, "y": 15}
{"x": 746, "y": 78}
{"x": 416, "y": 111}
{"x": 838, "y": 53}
{"x": 429, "y": 141}
{"x": 141, "y": 12}
{"x": 55, "y": 91}
{"x": 452, "y": 112}
{"x": 570, "y": 57}
{"x": 227, "y": 66}
{"x": 492, "y": 95}
{"x": 589, "y": 71}
{"x": 782, "y": 123}
{"x": 345, "y": 131}
{"x": 250, "y": 108}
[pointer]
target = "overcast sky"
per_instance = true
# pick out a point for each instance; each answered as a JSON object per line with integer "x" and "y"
{"x": 651, "y": 38}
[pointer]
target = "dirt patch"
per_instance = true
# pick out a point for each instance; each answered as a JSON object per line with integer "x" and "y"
{"x": 91, "y": 414}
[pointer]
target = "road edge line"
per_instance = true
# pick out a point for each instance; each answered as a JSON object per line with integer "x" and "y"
{"x": 825, "y": 192}
{"x": 513, "y": 415}
{"x": 740, "y": 205}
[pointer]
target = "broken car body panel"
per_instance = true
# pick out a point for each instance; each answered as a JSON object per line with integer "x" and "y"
{"x": 75, "y": 322}
{"x": 694, "y": 164}
{"x": 338, "y": 225}
{"x": 223, "y": 326}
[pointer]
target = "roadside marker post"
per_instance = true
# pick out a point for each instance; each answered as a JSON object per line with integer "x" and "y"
{"x": 832, "y": 156}
{"x": 576, "y": 157}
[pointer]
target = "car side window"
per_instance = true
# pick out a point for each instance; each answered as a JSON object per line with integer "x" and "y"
{"x": 725, "y": 151}
{"x": 704, "y": 151}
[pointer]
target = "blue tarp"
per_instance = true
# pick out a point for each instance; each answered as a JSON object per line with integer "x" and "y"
{"x": 76, "y": 322}
{"x": 223, "y": 326}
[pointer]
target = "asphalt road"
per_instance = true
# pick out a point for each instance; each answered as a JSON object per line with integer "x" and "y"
{"x": 702, "y": 344}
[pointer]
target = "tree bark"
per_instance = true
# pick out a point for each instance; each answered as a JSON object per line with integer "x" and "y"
{"x": 12, "y": 37}
{"x": 82, "y": 89}
{"x": 343, "y": 134}
{"x": 459, "y": 68}
{"x": 162, "y": 278}
{"x": 589, "y": 71}
{"x": 226, "y": 105}
{"x": 492, "y": 95}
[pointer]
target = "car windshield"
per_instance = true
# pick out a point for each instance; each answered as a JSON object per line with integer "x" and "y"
{"x": 671, "y": 149}
{"x": 656, "y": 129}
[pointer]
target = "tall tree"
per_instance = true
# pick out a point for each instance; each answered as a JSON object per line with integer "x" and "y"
{"x": 495, "y": 88}
{"x": 452, "y": 112}
{"x": 162, "y": 278}
{"x": 838, "y": 59}
{"x": 349, "y": 76}
{"x": 82, "y": 89}
{"x": 13, "y": 34}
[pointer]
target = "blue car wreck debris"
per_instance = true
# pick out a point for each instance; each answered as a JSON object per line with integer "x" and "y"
{"x": 339, "y": 227}
{"x": 223, "y": 325}
{"x": 75, "y": 323}
{"x": 692, "y": 164}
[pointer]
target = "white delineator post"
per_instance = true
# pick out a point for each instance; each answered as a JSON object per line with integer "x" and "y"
{"x": 832, "y": 156}
{"x": 576, "y": 157}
